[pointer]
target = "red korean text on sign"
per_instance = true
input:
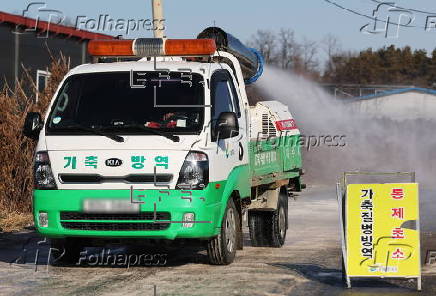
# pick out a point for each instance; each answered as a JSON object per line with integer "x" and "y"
{"x": 398, "y": 233}
{"x": 398, "y": 254}
{"x": 398, "y": 213}
{"x": 397, "y": 193}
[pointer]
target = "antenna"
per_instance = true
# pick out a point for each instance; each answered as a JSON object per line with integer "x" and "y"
{"x": 158, "y": 19}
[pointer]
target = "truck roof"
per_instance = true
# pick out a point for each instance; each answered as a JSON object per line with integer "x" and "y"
{"x": 144, "y": 65}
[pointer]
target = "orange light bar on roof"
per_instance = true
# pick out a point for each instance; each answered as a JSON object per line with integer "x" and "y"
{"x": 192, "y": 47}
{"x": 148, "y": 47}
{"x": 110, "y": 47}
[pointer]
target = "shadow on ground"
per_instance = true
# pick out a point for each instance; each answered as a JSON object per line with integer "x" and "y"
{"x": 30, "y": 248}
{"x": 331, "y": 277}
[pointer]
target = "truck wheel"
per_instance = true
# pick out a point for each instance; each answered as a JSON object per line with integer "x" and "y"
{"x": 239, "y": 233}
{"x": 222, "y": 248}
{"x": 268, "y": 229}
{"x": 279, "y": 223}
{"x": 257, "y": 224}
{"x": 65, "y": 251}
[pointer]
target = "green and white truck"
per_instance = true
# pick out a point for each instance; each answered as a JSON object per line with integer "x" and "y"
{"x": 165, "y": 147}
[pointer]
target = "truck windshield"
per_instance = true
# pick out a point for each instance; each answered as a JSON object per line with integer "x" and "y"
{"x": 129, "y": 103}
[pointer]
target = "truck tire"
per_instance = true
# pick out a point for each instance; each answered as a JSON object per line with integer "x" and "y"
{"x": 257, "y": 224}
{"x": 268, "y": 229}
{"x": 239, "y": 233}
{"x": 65, "y": 251}
{"x": 221, "y": 249}
{"x": 279, "y": 223}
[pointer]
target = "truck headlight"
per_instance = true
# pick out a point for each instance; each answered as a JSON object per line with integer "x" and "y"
{"x": 194, "y": 173}
{"x": 43, "y": 175}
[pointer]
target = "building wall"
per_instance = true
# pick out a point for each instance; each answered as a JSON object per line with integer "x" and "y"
{"x": 6, "y": 55}
{"x": 35, "y": 52}
{"x": 410, "y": 105}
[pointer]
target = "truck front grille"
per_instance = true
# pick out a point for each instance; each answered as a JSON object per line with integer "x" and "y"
{"x": 104, "y": 216}
{"x": 114, "y": 226}
{"x": 75, "y": 221}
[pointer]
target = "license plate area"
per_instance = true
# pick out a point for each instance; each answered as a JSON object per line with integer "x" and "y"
{"x": 98, "y": 206}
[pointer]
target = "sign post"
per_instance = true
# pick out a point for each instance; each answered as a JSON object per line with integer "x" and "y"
{"x": 380, "y": 231}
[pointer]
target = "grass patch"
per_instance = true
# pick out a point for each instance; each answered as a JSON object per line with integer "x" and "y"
{"x": 15, "y": 221}
{"x": 17, "y": 151}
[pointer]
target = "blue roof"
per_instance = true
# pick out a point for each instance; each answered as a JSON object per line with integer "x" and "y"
{"x": 398, "y": 91}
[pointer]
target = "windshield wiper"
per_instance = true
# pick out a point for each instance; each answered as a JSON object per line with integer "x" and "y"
{"x": 173, "y": 138}
{"x": 96, "y": 131}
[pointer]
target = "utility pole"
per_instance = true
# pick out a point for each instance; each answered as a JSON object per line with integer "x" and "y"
{"x": 158, "y": 18}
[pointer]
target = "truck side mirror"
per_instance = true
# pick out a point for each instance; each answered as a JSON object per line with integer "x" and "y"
{"x": 32, "y": 125}
{"x": 226, "y": 126}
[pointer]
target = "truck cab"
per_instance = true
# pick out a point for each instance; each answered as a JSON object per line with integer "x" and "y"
{"x": 162, "y": 148}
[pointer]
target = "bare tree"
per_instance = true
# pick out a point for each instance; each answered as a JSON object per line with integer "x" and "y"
{"x": 309, "y": 51}
{"x": 285, "y": 51}
{"x": 332, "y": 48}
{"x": 289, "y": 49}
{"x": 265, "y": 42}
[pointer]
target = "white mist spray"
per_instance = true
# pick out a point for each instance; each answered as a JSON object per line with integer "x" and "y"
{"x": 368, "y": 143}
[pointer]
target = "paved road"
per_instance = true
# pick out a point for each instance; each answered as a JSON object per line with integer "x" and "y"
{"x": 309, "y": 264}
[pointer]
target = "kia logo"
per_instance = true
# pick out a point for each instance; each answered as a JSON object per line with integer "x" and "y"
{"x": 113, "y": 162}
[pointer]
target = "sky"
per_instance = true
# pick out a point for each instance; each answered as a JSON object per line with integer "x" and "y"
{"x": 310, "y": 19}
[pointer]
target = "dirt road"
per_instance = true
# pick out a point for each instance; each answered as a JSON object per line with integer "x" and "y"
{"x": 309, "y": 264}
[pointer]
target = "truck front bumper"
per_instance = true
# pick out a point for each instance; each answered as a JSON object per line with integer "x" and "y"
{"x": 64, "y": 210}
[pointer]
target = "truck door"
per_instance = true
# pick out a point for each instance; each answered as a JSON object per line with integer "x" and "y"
{"x": 226, "y": 98}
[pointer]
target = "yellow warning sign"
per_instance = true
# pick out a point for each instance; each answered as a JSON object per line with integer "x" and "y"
{"x": 382, "y": 230}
